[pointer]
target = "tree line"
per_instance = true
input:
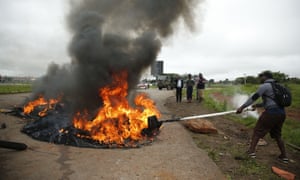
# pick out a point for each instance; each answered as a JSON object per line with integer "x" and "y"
{"x": 278, "y": 76}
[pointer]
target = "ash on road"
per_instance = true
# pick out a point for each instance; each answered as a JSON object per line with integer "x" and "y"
{"x": 173, "y": 155}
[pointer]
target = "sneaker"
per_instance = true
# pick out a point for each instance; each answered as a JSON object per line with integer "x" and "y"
{"x": 252, "y": 155}
{"x": 283, "y": 159}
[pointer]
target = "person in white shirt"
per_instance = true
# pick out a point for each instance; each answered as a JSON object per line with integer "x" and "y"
{"x": 179, "y": 86}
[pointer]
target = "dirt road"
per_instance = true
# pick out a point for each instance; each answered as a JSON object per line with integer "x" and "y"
{"x": 173, "y": 155}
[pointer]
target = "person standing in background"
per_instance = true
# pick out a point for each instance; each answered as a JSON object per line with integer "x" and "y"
{"x": 200, "y": 87}
{"x": 189, "y": 88}
{"x": 179, "y": 86}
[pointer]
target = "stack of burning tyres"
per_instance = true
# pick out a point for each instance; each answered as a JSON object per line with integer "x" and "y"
{"x": 115, "y": 124}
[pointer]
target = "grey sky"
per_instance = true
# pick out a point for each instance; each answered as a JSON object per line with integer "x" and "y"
{"x": 240, "y": 37}
{"x": 233, "y": 38}
{"x": 32, "y": 34}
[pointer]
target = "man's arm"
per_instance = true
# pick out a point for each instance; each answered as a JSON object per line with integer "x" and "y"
{"x": 252, "y": 99}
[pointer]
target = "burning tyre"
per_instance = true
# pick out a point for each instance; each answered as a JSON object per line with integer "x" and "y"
{"x": 115, "y": 124}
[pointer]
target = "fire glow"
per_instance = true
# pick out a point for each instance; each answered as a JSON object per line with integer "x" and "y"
{"x": 116, "y": 122}
{"x": 98, "y": 107}
{"x": 41, "y": 101}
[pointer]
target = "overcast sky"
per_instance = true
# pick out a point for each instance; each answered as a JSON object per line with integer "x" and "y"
{"x": 233, "y": 38}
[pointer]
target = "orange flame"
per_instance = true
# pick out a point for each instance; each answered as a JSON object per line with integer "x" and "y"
{"x": 41, "y": 101}
{"x": 117, "y": 121}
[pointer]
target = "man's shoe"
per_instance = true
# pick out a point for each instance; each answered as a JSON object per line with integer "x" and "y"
{"x": 252, "y": 155}
{"x": 283, "y": 159}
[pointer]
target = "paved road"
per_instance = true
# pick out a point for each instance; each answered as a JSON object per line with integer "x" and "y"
{"x": 172, "y": 156}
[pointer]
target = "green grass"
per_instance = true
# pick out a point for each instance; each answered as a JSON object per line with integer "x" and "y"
{"x": 211, "y": 103}
{"x": 247, "y": 167}
{"x": 295, "y": 90}
{"x": 251, "y": 167}
{"x": 291, "y": 132}
{"x": 248, "y": 88}
{"x": 15, "y": 88}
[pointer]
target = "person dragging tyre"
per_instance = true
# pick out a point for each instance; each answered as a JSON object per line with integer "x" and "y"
{"x": 272, "y": 118}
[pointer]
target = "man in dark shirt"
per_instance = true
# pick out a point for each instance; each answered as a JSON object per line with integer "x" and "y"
{"x": 271, "y": 120}
{"x": 189, "y": 88}
{"x": 200, "y": 87}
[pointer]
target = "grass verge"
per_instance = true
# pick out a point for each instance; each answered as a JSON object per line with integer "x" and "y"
{"x": 15, "y": 88}
{"x": 242, "y": 167}
{"x": 247, "y": 166}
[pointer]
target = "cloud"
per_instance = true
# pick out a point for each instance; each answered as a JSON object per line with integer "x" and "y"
{"x": 232, "y": 38}
{"x": 239, "y": 37}
{"x": 32, "y": 34}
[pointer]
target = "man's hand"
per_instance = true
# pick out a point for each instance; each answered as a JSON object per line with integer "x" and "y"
{"x": 254, "y": 106}
{"x": 239, "y": 110}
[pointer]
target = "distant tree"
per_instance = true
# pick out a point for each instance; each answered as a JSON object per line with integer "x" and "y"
{"x": 280, "y": 77}
{"x": 226, "y": 81}
{"x": 211, "y": 81}
{"x": 294, "y": 80}
{"x": 239, "y": 80}
{"x": 252, "y": 80}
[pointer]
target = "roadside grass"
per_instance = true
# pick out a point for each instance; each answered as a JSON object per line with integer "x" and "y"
{"x": 248, "y": 166}
{"x": 251, "y": 167}
{"x": 15, "y": 88}
{"x": 211, "y": 103}
{"x": 295, "y": 90}
{"x": 291, "y": 132}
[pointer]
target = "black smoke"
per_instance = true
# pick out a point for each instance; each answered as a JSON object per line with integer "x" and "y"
{"x": 110, "y": 36}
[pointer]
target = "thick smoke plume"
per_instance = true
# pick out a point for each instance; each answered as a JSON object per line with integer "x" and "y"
{"x": 110, "y": 36}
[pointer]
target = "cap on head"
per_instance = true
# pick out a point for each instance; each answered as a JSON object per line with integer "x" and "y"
{"x": 266, "y": 74}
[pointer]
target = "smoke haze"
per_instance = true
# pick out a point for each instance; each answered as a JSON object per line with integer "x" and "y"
{"x": 110, "y": 37}
{"x": 238, "y": 100}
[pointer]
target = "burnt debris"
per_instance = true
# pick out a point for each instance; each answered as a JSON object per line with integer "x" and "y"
{"x": 57, "y": 128}
{"x": 108, "y": 37}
